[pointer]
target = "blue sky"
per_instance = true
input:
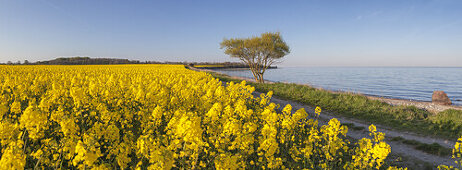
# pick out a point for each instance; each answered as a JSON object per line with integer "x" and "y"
{"x": 320, "y": 33}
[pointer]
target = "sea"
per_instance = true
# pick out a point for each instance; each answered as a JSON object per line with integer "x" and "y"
{"x": 410, "y": 83}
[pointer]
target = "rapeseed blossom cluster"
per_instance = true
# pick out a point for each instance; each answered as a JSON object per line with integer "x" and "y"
{"x": 457, "y": 155}
{"x": 162, "y": 117}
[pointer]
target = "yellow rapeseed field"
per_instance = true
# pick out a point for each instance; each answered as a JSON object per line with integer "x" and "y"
{"x": 162, "y": 117}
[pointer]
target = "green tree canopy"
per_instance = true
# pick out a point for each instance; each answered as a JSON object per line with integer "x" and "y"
{"x": 257, "y": 52}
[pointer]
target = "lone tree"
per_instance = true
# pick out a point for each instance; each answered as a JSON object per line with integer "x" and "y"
{"x": 257, "y": 52}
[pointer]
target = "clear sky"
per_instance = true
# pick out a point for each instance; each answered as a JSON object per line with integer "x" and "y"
{"x": 319, "y": 32}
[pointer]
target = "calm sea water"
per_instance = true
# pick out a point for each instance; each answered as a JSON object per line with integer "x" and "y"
{"x": 415, "y": 83}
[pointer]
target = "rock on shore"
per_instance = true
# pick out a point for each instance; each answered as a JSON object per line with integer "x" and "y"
{"x": 440, "y": 97}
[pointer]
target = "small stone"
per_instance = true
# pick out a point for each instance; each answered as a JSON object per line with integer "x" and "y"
{"x": 440, "y": 97}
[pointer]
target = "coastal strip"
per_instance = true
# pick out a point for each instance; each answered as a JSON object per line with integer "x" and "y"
{"x": 428, "y": 150}
{"x": 409, "y": 116}
{"x": 429, "y": 106}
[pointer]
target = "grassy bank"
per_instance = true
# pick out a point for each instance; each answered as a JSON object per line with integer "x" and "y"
{"x": 446, "y": 124}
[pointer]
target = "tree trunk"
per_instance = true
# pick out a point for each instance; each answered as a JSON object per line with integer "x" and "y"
{"x": 255, "y": 74}
{"x": 260, "y": 78}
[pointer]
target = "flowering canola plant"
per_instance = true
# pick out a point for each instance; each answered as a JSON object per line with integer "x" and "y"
{"x": 162, "y": 117}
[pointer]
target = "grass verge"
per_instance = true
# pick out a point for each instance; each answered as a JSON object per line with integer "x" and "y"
{"x": 434, "y": 148}
{"x": 446, "y": 124}
{"x": 353, "y": 126}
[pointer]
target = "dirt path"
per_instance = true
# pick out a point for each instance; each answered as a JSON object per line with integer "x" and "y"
{"x": 396, "y": 147}
{"x": 412, "y": 155}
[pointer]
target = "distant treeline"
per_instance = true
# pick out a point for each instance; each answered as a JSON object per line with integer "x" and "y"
{"x": 104, "y": 61}
{"x": 86, "y": 61}
{"x": 77, "y": 61}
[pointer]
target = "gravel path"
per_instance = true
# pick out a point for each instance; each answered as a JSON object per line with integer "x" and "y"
{"x": 397, "y": 147}
{"x": 412, "y": 155}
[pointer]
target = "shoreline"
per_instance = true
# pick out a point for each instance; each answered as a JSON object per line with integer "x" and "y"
{"x": 399, "y": 130}
{"x": 429, "y": 106}
{"x": 229, "y": 67}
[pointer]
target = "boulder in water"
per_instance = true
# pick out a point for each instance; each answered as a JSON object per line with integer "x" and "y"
{"x": 440, "y": 97}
